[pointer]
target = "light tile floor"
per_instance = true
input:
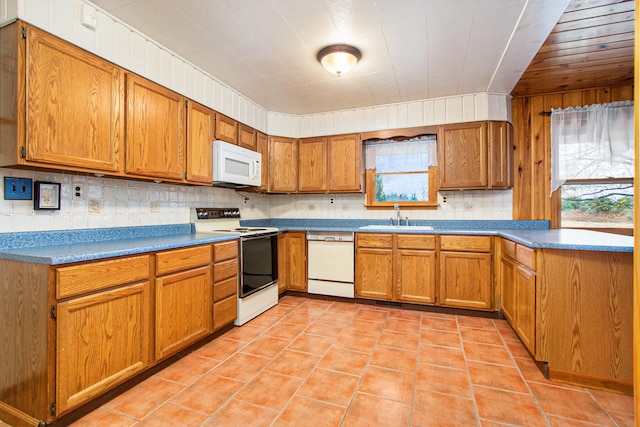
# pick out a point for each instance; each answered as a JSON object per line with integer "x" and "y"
{"x": 310, "y": 362}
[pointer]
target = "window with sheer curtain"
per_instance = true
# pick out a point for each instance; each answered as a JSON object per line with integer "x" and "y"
{"x": 401, "y": 171}
{"x": 592, "y": 154}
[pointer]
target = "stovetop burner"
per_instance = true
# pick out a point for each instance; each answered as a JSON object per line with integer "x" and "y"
{"x": 225, "y": 220}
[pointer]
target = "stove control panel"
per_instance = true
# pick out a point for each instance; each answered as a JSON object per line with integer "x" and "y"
{"x": 217, "y": 213}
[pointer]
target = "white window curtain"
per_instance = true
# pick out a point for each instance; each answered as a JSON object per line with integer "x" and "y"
{"x": 415, "y": 154}
{"x": 591, "y": 142}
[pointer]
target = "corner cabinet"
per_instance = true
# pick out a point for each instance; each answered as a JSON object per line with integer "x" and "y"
{"x": 155, "y": 130}
{"x": 61, "y": 107}
{"x": 292, "y": 261}
{"x": 476, "y": 155}
{"x": 466, "y": 272}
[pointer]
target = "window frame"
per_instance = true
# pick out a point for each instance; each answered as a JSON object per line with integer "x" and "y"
{"x": 370, "y": 189}
{"x": 617, "y": 230}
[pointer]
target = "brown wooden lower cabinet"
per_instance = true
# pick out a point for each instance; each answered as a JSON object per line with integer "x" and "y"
{"x": 79, "y": 330}
{"x": 395, "y": 267}
{"x": 518, "y": 291}
{"x": 466, "y": 272}
{"x": 572, "y": 310}
{"x": 225, "y": 283}
{"x": 292, "y": 261}
{"x": 101, "y": 341}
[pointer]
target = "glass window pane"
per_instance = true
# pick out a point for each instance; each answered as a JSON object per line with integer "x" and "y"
{"x": 402, "y": 188}
{"x": 597, "y": 205}
{"x": 402, "y": 162}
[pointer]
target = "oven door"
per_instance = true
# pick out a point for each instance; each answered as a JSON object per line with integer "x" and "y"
{"x": 259, "y": 263}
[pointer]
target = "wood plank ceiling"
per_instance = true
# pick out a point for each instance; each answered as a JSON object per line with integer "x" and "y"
{"x": 590, "y": 47}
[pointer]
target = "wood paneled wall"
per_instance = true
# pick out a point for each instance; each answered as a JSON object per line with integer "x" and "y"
{"x": 532, "y": 148}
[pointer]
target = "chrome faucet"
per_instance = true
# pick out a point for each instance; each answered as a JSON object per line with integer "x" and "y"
{"x": 397, "y": 208}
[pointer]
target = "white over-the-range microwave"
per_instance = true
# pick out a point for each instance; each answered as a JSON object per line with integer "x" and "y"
{"x": 235, "y": 166}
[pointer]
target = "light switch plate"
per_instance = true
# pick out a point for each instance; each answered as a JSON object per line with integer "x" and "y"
{"x": 18, "y": 188}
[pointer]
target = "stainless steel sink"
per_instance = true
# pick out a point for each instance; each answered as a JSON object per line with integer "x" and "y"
{"x": 397, "y": 227}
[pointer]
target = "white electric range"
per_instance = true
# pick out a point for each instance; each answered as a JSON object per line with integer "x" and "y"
{"x": 258, "y": 275}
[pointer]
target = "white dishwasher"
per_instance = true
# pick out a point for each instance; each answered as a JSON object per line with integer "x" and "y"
{"x": 330, "y": 263}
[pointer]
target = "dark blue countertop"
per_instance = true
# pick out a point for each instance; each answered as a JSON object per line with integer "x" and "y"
{"x": 66, "y": 246}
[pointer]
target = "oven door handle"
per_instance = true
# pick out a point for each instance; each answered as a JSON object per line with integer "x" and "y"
{"x": 259, "y": 236}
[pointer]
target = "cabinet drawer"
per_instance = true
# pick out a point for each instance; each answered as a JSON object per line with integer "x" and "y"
{"x": 415, "y": 241}
{"x": 224, "y": 270}
{"x": 225, "y": 288}
{"x": 182, "y": 259}
{"x": 225, "y": 250}
{"x": 466, "y": 243}
{"x": 225, "y": 312}
{"x": 526, "y": 256}
{"x": 508, "y": 248}
{"x": 373, "y": 240}
{"x": 93, "y": 276}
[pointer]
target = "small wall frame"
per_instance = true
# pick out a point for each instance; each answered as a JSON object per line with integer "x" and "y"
{"x": 46, "y": 195}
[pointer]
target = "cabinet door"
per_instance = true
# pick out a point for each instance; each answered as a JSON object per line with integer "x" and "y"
{"x": 525, "y": 310}
{"x": 74, "y": 106}
{"x": 101, "y": 340}
{"x": 374, "y": 273}
{"x": 283, "y": 164}
{"x": 500, "y": 141}
{"x": 200, "y": 129}
{"x": 462, "y": 156}
{"x": 183, "y": 309}
{"x": 155, "y": 130}
{"x": 292, "y": 261}
{"x": 262, "y": 146}
{"x": 416, "y": 275}
{"x": 246, "y": 137}
{"x": 226, "y": 129}
{"x": 465, "y": 280}
{"x": 508, "y": 290}
{"x": 312, "y": 164}
{"x": 345, "y": 163}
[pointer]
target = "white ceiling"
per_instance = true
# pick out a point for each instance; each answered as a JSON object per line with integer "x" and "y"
{"x": 411, "y": 49}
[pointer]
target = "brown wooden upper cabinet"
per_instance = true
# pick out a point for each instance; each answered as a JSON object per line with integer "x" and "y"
{"x": 247, "y": 137}
{"x": 475, "y": 155}
{"x": 200, "y": 129}
{"x": 226, "y": 129}
{"x": 61, "y": 107}
{"x": 283, "y": 164}
{"x": 330, "y": 164}
{"x": 155, "y": 130}
{"x": 262, "y": 147}
{"x": 312, "y": 164}
{"x": 345, "y": 163}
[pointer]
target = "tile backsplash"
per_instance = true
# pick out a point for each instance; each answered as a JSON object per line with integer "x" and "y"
{"x": 107, "y": 202}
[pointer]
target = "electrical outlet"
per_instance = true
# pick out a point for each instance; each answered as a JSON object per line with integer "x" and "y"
{"x": 18, "y": 188}
{"x": 331, "y": 201}
{"x": 77, "y": 189}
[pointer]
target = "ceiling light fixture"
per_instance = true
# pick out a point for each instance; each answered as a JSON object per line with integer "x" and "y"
{"x": 339, "y": 59}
